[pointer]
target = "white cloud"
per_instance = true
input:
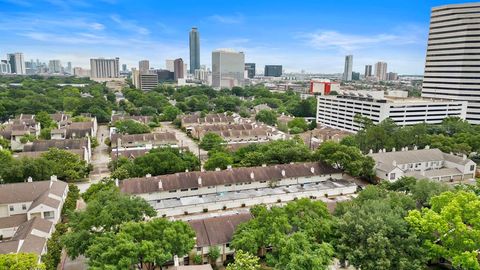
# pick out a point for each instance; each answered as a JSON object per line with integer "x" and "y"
{"x": 227, "y": 19}
{"x": 347, "y": 42}
{"x": 129, "y": 25}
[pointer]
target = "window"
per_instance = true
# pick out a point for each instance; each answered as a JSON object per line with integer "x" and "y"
{"x": 472, "y": 167}
{"x": 194, "y": 188}
{"x": 48, "y": 215}
{"x": 228, "y": 185}
{"x": 24, "y": 207}
{"x": 392, "y": 176}
{"x": 185, "y": 189}
{"x": 199, "y": 249}
{"x": 172, "y": 191}
{"x": 12, "y": 208}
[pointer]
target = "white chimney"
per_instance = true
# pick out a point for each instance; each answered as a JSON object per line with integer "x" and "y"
{"x": 427, "y": 147}
{"x": 264, "y": 165}
{"x": 464, "y": 157}
{"x": 252, "y": 175}
{"x": 53, "y": 178}
{"x": 148, "y": 175}
{"x": 116, "y": 182}
{"x": 29, "y": 179}
{"x": 229, "y": 167}
{"x": 394, "y": 163}
{"x": 217, "y": 169}
{"x": 283, "y": 173}
{"x": 186, "y": 170}
{"x": 199, "y": 181}
{"x": 371, "y": 151}
{"x": 176, "y": 263}
{"x": 160, "y": 185}
{"x": 312, "y": 169}
{"x": 415, "y": 148}
{"x": 384, "y": 150}
{"x": 393, "y": 149}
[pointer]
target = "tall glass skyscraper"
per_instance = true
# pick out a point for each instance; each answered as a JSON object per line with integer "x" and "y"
{"x": 194, "y": 50}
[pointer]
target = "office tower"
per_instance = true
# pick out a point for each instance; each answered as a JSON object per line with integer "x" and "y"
{"x": 143, "y": 66}
{"x": 148, "y": 81}
{"x": 381, "y": 71}
{"x": 69, "y": 68}
{"x": 250, "y": 68}
{"x": 392, "y": 76}
{"x": 452, "y": 64}
{"x": 169, "y": 65}
{"x": 194, "y": 50}
{"x": 104, "y": 68}
{"x": 347, "y": 71}
{"x": 124, "y": 67}
{"x": 228, "y": 67}
{"x": 5, "y": 67}
{"x": 178, "y": 69}
{"x": 17, "y": 64}
{"x": 54, "y": 66}
{"x": 273, "y": 71}
{"x": 368, "y": 71}
{"x": 165, "y": 75}
{"x": 355, "y": 76}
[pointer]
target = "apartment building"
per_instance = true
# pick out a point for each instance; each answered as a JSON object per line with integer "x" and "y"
{"x": 209, "y": 191}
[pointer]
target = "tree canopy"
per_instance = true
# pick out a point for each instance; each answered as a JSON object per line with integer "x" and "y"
{"x": 131, "y": 127}
{"x": 211, "y": 141}
{"x": 20, "y": 261}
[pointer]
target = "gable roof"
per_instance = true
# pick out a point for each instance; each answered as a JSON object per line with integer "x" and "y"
{"x": 185, "y": 180}
{"x": 145, "y": 137}
{"x": 44, "y": 145}
{"x": 29, "y": 191}
{"x": 217, "y": 230}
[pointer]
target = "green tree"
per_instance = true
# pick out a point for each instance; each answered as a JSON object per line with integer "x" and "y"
{"x": 66, "y": 165}
{"x": 45, "y": 120}
{"x": 141, "y": 245}
{"x": 20, "y": 261}
{"x": 268, "y": 117}
{"x": 211, "y": 141}
{"x": 244, "y": 261}
{"x": 450, "y": 228}
{"x": 131, "y": 127}
{"x": 170, "y": 113}
{"x": 371, "y": 232}
{"x": 218, "y": 160}
{"x": 299, "y": 123}
{"x": 106, "y": 210}
{"x": 213, "y": 254}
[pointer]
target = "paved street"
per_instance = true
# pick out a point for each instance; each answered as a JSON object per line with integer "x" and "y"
{"x": 183, "y": 139}
{"x": 100, "y": 160}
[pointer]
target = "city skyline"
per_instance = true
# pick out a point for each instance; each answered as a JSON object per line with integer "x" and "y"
{"x": 109, "y": 29}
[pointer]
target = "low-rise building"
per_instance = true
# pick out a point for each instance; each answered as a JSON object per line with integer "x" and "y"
{"x": 140, "y": 144}
{"x": 216, "y": 232}
{"x": 423, "y": 163}
{"x": 82, "y": 147}
{"x": 28, "y": 214}
{"x": 206, "y": 191}
{"x": 15, "y": 129}
{"x": 341, "y": 111}
{"x": 189, "y": 121}
{"x": 314, "y": 138}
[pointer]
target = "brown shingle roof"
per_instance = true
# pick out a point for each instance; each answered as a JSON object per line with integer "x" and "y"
{"x": 12, "y": 221}
{"x": 230, "y": 176}
{"x": 166, "y": 137}
{"x": 217, "y": 230}
{"x": 28, "y": 192}
{"x": 44, "y": 145}
{"x": 79, "y": 152}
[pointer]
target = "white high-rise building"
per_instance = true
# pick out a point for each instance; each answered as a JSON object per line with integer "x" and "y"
{"x": 17, "y": 64}
{"x": 347, "y": 71}
{"x": 54, "y": 66}
{"x": 452, "y": 64}
{"x": 381, "y": 71}
{"x": 5, "y": 67}
{"x": 228, "y": 68}
{"x": 104, "y": 68}
{"x": 169, "y": 65}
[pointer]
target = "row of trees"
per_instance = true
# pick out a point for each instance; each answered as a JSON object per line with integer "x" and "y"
{"x": 45, "y": 94}
{"x": 113, "y": 234}
{"x": 452, "y": 135}
{"x": 407, "y": 225}
{"x": 157, "y": 162}
{"x": 206, "y": 99}
{"x": 65, "y": 165}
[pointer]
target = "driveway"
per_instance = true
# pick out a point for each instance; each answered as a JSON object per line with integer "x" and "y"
{"x": 183, "y": 139}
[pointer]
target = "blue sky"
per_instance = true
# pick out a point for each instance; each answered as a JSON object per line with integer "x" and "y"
{"x": 304, "y": 34}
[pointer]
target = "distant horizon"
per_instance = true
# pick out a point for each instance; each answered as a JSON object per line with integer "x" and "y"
{"x": 314, "y": 37}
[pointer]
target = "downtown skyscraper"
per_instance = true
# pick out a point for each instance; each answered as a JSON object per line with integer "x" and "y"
{"x": 194, "y": 50}
{"x": 347, "y": 71}
{"x": 452, "y": 65}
